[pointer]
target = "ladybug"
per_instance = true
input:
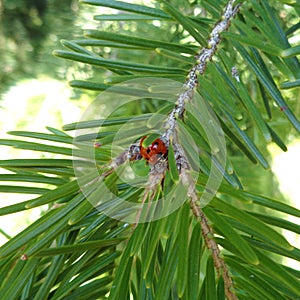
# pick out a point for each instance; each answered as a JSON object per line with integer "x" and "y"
{"x": 153, "y": 152}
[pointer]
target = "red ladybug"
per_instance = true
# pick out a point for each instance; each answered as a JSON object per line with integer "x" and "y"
{"x": 153, "y": 152}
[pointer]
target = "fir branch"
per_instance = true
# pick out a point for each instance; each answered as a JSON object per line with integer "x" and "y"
{"x": 190, "y": 85}
{"x": 205, "y": 55}
{"x": 158, "y": 169}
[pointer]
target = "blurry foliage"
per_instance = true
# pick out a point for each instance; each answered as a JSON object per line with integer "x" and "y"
{"x": 29, "y": 32}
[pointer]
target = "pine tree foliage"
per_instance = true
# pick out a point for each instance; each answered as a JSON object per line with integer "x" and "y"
{"x": 75, "y": 251}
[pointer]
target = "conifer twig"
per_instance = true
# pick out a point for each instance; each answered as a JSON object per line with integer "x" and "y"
{"x": 190, "y": 85}
{"x": 205, "y": 55}
{"x": 159, "y": 168}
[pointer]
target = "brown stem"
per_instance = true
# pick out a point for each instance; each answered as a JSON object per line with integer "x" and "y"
{"x": 211, "y": 244}
{"x": 190, "y": 85}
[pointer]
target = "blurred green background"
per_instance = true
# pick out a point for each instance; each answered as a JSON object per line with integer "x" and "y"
{"x": 34, "y": 91}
